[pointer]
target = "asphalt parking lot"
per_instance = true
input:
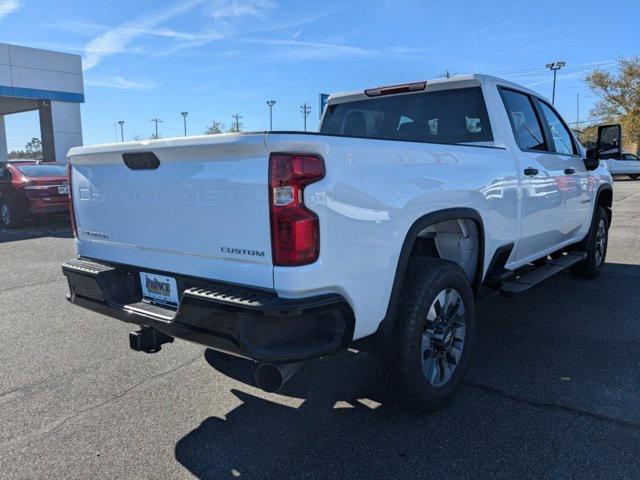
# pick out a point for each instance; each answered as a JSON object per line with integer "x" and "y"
{"x": 553, "y": 391}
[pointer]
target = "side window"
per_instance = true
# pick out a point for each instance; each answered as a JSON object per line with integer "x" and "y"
{"x": 524, "y": 120}
{"x": 5, "y": 174}
{"x": 562, "y": 142}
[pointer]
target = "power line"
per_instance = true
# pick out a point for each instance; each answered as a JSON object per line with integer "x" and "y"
{"x": 237, "y": 118}
{"x": 156, "y": 121}
{"x": 305, "y": 110}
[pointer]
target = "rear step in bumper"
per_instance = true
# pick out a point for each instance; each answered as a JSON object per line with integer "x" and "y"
{"x": 249, "y": 322}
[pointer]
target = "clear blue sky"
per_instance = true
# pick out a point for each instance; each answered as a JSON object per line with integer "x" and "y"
{"x": 212, "y": 58}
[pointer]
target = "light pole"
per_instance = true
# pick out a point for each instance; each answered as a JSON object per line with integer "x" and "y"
{"x": 184, "y": 118}
{"x": 270, "y": 104}
{"x": 554, "y": 67}
{"x": 306, "y": 110}
{"x": 121, "y": 123}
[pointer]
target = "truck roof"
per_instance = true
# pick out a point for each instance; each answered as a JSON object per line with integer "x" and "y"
{"x": 470, "y": 79}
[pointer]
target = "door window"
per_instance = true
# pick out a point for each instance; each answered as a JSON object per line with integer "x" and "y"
{"x": 524, "y": 120}
{"x": 560, "y": 135}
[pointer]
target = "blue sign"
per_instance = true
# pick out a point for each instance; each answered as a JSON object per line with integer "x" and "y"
{"x": 323, "y": 102}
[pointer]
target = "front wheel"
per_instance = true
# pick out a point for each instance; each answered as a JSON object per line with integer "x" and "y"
{"x": 596, "y": 247}
{"x": 433, "y": 334}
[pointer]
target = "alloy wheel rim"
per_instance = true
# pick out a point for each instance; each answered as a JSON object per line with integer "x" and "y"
{"x": 601, "y": 241}
{"x": 443, "y": 337}
{"x": 6, "y": 215}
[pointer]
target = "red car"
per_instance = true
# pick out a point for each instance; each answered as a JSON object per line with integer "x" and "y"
{"x": 30, "y": 188}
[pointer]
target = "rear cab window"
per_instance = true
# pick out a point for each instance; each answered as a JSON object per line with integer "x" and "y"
{"x": 449, "y": 116}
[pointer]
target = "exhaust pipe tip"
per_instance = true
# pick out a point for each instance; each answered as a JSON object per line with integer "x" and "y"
{"x": 271, "y": 378}
{"x": 268, "y": 378}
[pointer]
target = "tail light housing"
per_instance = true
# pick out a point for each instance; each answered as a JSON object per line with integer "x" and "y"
{"x": 72, "y": 213}
{"x": 295, "y": 230}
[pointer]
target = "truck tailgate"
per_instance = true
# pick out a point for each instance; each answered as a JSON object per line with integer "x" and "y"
{"x": 204, "y": 211}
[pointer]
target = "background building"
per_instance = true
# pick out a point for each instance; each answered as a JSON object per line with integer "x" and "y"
{"x": 46, "y": 81}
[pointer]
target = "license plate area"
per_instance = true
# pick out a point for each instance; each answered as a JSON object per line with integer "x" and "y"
{"x": 159, "y": 289}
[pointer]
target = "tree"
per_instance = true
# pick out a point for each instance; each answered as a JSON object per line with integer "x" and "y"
{"x": 619, "y": 98}
{"x": 588, "y": 135}
{"x": 215, "y": 128}
{"x": 33, "y": 149}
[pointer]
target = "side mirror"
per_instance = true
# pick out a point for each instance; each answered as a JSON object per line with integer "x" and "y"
{"x": 609, "y": 145}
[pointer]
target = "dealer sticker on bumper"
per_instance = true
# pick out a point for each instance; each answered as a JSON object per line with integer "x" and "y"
{"x": 158, "y": 288}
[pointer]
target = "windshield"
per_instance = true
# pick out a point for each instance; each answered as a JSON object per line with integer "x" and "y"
{"x": 446, "y": 116}
{"x": 42, "y": 170}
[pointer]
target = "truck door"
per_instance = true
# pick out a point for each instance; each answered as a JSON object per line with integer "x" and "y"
{"x": 575, "y": 189}
{"x": 541, "y": 178}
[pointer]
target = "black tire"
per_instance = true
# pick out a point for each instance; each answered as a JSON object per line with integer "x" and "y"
{"x": 426, "y": 280}
{"x": 634, "y": 177}
{"x": 9, "y": 218}
{"x": 595, "y": 245}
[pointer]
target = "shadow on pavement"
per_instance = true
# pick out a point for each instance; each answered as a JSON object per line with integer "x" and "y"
{"x": 555, "y": 371}
{"x": 57, "y": 227}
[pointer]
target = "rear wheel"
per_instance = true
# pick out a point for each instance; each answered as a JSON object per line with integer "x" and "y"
{"x": 9, "y": 218}
{"x": 433, "y": 333}
{"x": 596, "y": 247}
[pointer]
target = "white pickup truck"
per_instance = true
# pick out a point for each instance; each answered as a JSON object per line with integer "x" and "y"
{"x": 377, "y": 232}
{"x": 626, "y": 164}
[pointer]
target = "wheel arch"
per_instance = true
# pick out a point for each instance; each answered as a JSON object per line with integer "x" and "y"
{"x": 411, "y": 238}
{"x": 604, "y": 198}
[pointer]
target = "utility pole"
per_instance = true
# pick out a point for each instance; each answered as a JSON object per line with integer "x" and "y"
{"x": 121, "y": 123}
{"x": 236, "y": 120}
{"x": 270, "y": 104}
{"x": 184, "y": 118}
{"x": 578, "y": 114}
{"x": 156, "y": 121}
{"x": 554, "y": 67}
{"x": 306, "y": 110}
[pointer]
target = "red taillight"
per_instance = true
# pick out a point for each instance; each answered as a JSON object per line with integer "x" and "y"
{"x": 72, "y": 213}
{"x": 295, "y": 232}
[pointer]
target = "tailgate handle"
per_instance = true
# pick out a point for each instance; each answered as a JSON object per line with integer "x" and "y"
{"x": 141, "y": 160}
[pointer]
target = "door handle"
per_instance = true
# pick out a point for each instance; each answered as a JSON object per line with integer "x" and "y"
{"x": 530, "y": 171}
{"x": 569, "y": 171}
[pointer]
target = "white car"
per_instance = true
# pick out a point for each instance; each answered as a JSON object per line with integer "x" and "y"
{"x": 626, "y": 164}
{"x": 378, "y": 231}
